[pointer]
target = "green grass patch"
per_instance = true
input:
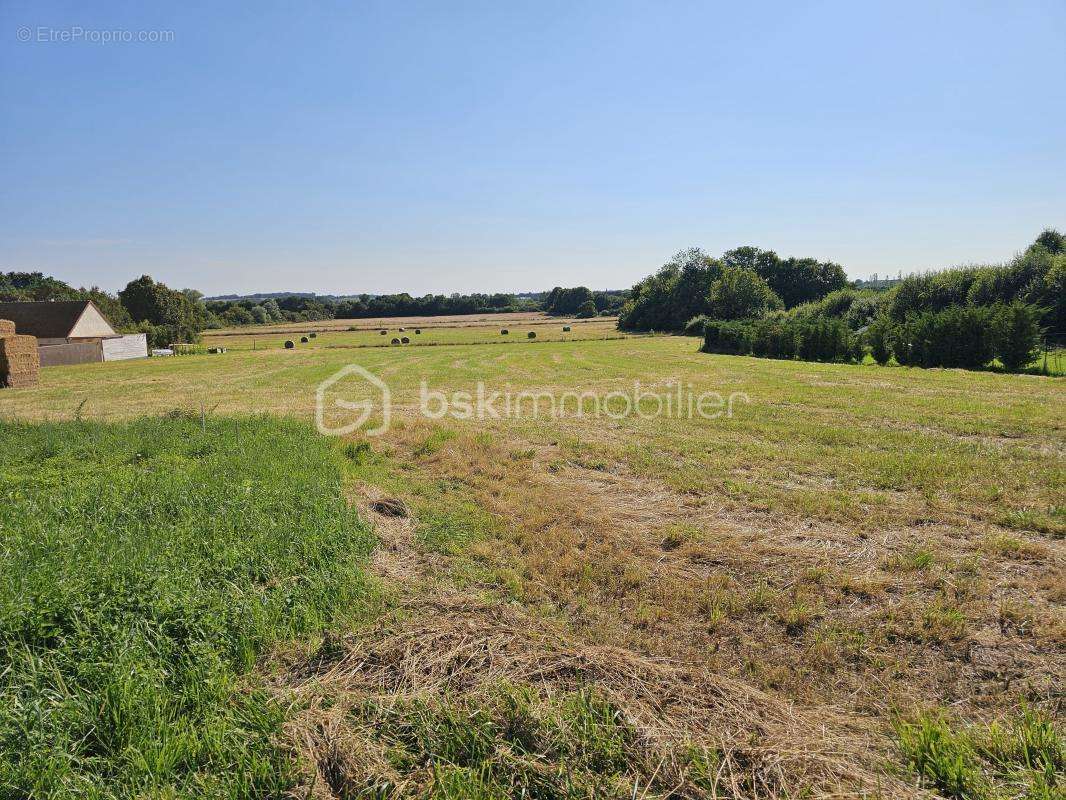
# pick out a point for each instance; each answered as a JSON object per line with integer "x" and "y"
{"x": 146, "y": 566}
{"x": 1020, "y": 757}
{"x": 505, "y": 742}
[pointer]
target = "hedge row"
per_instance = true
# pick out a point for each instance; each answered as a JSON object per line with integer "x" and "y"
{"x": 958, "y": 336}
{"x": 816, "y": 339}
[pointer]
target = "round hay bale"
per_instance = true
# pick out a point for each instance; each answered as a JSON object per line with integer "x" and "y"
{"x": 504, "y": 332}
{"x": 315, "y": 335}
{"x": 290, "y": 344}
{"x": 395, "y": 341}
{"x": 417, "y": 331}
{"x": 402, "y": 330}
{"x": 303, "y": 340}
{"x": 384, "y": 332}
{"x": 531, "y": 335}
{"x": 405, "y": 340}
{"x": 566, "y": 329}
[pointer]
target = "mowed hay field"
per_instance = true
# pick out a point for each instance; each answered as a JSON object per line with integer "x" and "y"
{"x": 433, "y": 331}
{"x": 852, "y": 586}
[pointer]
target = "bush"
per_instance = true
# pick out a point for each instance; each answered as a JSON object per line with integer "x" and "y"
{"x": 775, "y": 337}
{"x": 958, "y": 336}
{"x": 933, "y": 292}
{"x": 1017, "y": 334}
{"x": 877, "y": 336}
{"x": 694, "y": 327}
{"x": 166, "y": 335}
{"x": 865, "y": 310}
{"x": 826, "y": 340}
{"x": 783, "y": 337}
{"x": 730, "y": 338}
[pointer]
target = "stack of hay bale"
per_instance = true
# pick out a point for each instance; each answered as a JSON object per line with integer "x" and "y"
{"x": 19, "y": 362}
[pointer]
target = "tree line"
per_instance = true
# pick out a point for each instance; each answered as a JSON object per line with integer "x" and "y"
{"x": 966, "y": 317}
{"x": 745, "y": 282}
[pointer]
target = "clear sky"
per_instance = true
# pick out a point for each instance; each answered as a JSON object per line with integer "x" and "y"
{"x": 455, "y": 146}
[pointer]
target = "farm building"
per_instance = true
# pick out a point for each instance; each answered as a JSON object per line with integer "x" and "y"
{"x": 73, "y": 332}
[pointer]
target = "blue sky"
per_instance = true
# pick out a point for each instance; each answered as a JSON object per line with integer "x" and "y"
{"x": 446, "y": 147}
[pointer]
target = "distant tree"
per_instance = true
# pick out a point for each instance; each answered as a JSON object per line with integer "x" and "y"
{"x": 567, "y": 301}
{"x": 272, "y": 310}
{"x": 741, "y": 294}
{"x": 677, "y": 292}
{"x": 34, "y": 286}
{"x": 168, "y": 315}
{"x": 238, "y": 315}
{"x": 587, "y": 309}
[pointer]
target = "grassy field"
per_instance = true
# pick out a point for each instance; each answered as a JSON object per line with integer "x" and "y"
{"x": 854, "y": 584}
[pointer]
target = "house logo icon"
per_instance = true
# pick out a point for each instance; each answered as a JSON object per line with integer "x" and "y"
{"x": 337, "y": 416}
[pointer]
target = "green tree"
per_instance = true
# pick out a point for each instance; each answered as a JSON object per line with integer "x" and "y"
{"x": 587, "y": 309}
{"x": 1052, "y": 241}
{"x": 794, "y": 280}
{"x": 166, "y": 315}
{"x": 34, "y": 286}
{"x": 741, "y": 294}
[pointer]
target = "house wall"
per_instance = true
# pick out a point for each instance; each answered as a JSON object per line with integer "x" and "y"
{"x": 90, "y": 325}
{"x": 132, "y": 345}
{"x": 55, "y": 355}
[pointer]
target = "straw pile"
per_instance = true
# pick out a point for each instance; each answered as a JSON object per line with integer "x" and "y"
{"x": 19, "y": 363}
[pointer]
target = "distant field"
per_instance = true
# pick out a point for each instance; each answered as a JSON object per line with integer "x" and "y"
{"x": 442, "y": 330}
{"x": 834, "y": 591}
{"x": 392, "y": 322}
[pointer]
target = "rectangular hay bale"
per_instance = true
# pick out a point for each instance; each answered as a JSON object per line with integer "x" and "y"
{"x": 24, "y": 380}
{"x": 19, "y": 361}
{"x": 7, "y": 327}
